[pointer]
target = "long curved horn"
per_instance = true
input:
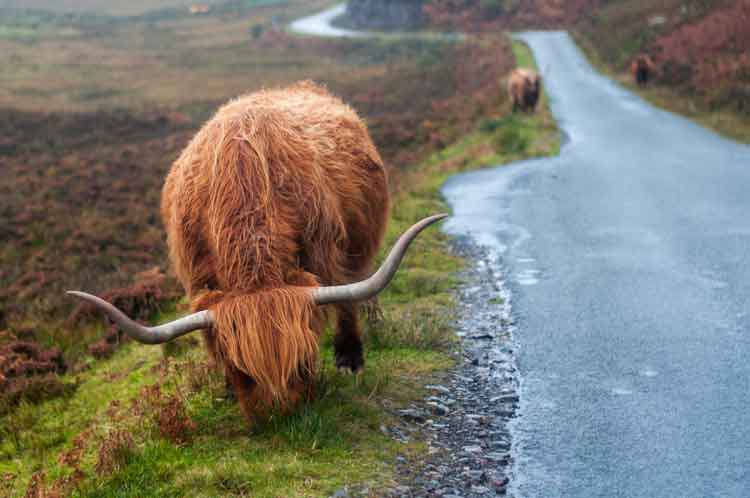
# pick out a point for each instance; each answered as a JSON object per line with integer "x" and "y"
{"x": 149, "y": 335}
{"x": 365, "y": 289}
{"x": 357, "y": 291}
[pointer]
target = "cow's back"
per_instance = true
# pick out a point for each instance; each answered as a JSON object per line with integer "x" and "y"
{"x": 276, "y": 180}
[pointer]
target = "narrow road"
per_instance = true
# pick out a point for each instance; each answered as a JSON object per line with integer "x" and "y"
{"x": 320, "y": 24}
{"x": 628, "y": 260}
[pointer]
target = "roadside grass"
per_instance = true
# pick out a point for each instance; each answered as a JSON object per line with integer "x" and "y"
{"x": 326, "y": 443}
{"x": 724, "y": 121}
{"x": 160, "y": 421}
{"x": 523, "y": 55}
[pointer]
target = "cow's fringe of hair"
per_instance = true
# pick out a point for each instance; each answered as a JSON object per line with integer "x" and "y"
{"x": 270, "y": 335}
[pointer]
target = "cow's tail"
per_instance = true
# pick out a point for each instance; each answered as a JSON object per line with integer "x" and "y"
{"x": 270, "y": 335}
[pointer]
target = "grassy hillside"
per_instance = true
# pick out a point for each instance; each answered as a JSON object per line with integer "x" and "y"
{"x": 94, "y": 109}
{"x": 118, "y": 9}
{"x": 702, "y": 50}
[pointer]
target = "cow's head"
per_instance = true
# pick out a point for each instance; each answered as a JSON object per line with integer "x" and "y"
{"x": 533, "y": 83}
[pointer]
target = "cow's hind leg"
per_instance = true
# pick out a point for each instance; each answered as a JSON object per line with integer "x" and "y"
{"x": 347, "y": 343}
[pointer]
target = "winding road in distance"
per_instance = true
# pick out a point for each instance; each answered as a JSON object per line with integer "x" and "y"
{"x": 628, "y": 259}
{"x": 320, "y": 24}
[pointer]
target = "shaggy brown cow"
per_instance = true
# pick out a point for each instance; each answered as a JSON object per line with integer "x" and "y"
{"x": 643, "y": 69}
{"x": 273, "y": 209}
{"x": 524, "y": 87}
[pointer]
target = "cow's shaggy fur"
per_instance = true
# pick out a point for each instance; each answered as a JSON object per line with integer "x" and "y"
{"x": 643, "y": 69}
{"x": 280, "y": 191}
{"x": 524, "y": 87}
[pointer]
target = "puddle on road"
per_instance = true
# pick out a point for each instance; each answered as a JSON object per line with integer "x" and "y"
{"x": 528, "y": 277}
{"x": 648, "y": 372}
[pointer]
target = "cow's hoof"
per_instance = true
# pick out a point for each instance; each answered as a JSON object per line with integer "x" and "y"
{"x": 350, "y": 363}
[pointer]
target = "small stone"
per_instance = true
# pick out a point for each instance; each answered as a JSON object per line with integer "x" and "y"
{"x": 341, "y": 493}
{"x": 505, "y": 413}
{"x": 481, "y": 337}
{"x": 439, "y": 408}
{"x": 508, "y": 398}
{"x": 500, "y": 459}
{"x": 480, "y": 419}
{"x": 477, "y": 476}
{"x": 412, "y": 415}
{"x": 500, "y": 485}
{"x": 439, "y": 388}
{"x": 501, "y": 445}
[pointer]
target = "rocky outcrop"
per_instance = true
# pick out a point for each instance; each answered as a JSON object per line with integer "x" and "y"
{"x": 385, "y": 14}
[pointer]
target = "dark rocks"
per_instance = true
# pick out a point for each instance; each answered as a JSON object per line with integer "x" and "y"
{"x": 484, "y": 337}
{"x": 438, "y": 408}
{"x": 508, "y": 398}
{"x": 465, "y": 419}
{"x": 480, "y": 490}
{"x": 413, "y": 415}
{"x": 440, "y": 389}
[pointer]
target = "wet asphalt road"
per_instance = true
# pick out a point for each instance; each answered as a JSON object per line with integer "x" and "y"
{"x": 627, "y": 259}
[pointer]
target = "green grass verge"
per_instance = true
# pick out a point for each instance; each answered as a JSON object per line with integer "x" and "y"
{"x": 725, "y": 122}
{"x": 111, "y": 438}
{"x": 523, "y": 55}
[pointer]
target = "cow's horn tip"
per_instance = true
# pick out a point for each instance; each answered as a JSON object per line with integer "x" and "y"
{"x": 79, "y": 294}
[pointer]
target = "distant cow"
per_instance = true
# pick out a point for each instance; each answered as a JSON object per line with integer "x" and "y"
{"x": 524, "y": 86}
{"x": 643, "y": 69}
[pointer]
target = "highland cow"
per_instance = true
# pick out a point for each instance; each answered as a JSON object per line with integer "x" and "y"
{"x": 276, "y": 208}
{"x": 524, "y": 87}
{"x": 643, "y": 69}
